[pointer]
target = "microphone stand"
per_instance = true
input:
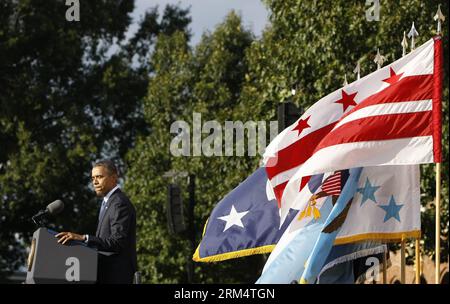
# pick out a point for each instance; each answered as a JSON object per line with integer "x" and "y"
{"x": 38, "y": 219}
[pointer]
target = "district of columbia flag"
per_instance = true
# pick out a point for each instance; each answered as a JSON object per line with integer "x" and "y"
{"x": 389, "y": 117}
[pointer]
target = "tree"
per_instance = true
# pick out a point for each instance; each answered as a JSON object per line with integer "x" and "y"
{"x": 207, "y": 81}
{"x": 65, "y": 103}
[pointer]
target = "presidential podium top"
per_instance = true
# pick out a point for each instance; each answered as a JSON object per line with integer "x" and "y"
{"x": 50, "y": 262}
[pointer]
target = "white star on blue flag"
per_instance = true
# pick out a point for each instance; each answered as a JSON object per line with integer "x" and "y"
{"x": 234, "y": 218}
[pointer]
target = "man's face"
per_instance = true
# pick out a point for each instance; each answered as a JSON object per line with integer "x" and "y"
{"x": 102, "y": 181}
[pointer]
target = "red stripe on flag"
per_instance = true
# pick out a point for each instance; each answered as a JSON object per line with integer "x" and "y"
{"x": 297, "y": 153}
{"x": 279, "y": 189}
{"x": 334, "y": 179}
{"x": 304, "y": 181}
{"x": 437, "y": 100}
{"x": 333, "y": 192}
{"x": 381, "y": 127}
{"x": 410, "y": 88}
{"x": 332, "y": 185}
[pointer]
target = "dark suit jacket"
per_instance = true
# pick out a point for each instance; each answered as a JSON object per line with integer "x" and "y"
{"x": 116, "y": 232}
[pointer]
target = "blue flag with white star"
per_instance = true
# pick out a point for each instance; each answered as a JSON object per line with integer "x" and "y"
{"x": 244, "y": 222}
{"x": 247, "y": 220}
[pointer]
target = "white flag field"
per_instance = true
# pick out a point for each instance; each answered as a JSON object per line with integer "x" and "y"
{"x": 385, "y": 206}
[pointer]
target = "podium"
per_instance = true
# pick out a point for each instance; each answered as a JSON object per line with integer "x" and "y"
{"x": 50, "y": 262}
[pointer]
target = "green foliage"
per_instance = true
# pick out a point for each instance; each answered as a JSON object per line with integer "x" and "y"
{"x": 66, "y": 103}
{"x": 208, "y": 81}
{"x": 160, "y": 256}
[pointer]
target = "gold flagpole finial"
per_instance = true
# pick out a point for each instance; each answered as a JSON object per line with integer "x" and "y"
{"x": 379, "y": 59}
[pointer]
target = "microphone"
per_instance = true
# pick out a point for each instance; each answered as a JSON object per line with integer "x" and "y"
{"x": 53, "y": 208}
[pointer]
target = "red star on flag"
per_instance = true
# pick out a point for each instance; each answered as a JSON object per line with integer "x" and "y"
{"x": 393, "y": 78}
{"x": 301, "y": 125}
{"x": 347, "y": 100}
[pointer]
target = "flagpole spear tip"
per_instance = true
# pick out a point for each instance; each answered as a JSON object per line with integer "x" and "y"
{"x": 379, "y": 59}
{"x": 439, "y": 17}
{"x": 345, "y": 80}
{"x": 413, "y": 34}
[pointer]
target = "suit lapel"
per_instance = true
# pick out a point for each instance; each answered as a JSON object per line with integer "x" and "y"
{"x": 108, "y": 203}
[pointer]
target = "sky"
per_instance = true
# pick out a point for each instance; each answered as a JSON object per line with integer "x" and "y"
{"x": 207, "y": 14}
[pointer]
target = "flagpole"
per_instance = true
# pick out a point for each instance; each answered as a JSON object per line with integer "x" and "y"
{"x": 357, "y": 70}
{"x": 402, "y": 257}
{"x": 418, "y": 261}
{"x": 385, "y": 267}
{"x": 404, "y": 45}
{"x": 439, "y": 17}
{"x": 438, "y": 222}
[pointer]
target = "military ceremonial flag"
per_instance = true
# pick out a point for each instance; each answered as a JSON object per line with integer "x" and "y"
{"x": 244, "y": 222}
{"x": 379, "y": 203}
{"x": 256, "y": 225}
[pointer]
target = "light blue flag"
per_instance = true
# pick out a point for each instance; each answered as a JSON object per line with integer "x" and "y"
{"x": 289, "y": 264}
{"x": 325, "y": 241}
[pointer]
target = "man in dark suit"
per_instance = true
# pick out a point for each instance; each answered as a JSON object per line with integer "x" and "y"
{"x": 116, "y": 229}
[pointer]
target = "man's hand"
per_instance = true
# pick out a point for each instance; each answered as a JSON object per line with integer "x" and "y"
{"x": 67, "y": 236}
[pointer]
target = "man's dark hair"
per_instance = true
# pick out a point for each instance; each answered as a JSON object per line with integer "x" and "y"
{"x": 109, "y": 165}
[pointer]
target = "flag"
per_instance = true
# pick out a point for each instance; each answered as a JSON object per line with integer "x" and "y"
{"x": 384, "y": 205}
{"x": 389, "y": 117}
{"x": 336, "y": 218}
{"x": 287, "y": 261}
{"x": 347, "y": 264}
{"x": 333, "y": 184}
{"x": 245, "y": 222}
